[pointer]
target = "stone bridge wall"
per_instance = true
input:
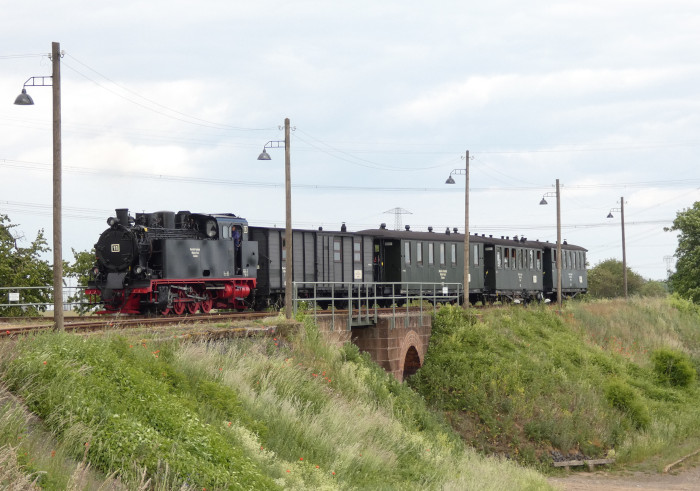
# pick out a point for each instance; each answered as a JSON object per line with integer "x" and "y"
{"x": 399, "y": 349}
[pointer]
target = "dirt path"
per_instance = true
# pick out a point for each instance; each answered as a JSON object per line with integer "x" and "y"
{"x": 687, "y": 479}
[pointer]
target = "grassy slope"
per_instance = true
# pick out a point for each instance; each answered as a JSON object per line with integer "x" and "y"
{"x": 258, "y": 414}
{"x": 527, "y": 382}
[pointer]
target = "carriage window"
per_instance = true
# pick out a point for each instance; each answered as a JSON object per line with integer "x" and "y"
{"x": 513, "y": 262}
{"x": 454, "y": 255}
{"x": 538, "y": 264}
{"x": 442, "y": 254}
{"x": 554, "y": 257}
{"x": 431, "y": 253}
{"x": 530, "y": 260}
{"x": 407, "y": 252}
{"x": 506, "y": 257}
{"x": 284, "y": 251}
{"x": 356, "y": 251}
{"x": 520, "y": 259}
{"x": 337, "y": 250}
{"x": 419, "y": 253}
{"x": 499, "y": 260}
{"x": 475, "y": 255}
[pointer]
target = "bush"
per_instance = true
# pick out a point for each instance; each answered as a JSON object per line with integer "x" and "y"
{"x": 673, "y": 367}
{"x": 623, "y": 397}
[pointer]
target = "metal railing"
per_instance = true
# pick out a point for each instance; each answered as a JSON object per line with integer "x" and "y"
{"x": 27, "y": 296}
{"x": 363, "y": 299}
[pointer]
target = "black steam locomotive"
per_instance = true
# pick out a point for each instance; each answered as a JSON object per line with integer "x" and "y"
{"x": 184, "y": 262}
{"x": 167, "y": 262}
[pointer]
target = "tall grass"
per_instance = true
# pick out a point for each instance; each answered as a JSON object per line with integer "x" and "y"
{"x": 265, "y": 413}
{"x": 525, "y": 382}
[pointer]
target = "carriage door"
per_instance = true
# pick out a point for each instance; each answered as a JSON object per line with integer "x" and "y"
{"x": 389, "y": 260}
{"x": 489, "y": 267}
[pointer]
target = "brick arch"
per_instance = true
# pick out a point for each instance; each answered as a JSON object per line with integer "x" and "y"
{"x": 411, "y": 355}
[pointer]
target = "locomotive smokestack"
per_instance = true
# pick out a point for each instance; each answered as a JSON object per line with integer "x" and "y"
{"x": 123, "y": 216}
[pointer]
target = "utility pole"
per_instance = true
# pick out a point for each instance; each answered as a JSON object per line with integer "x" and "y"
{"x": 57, "y": 232}
{"x": 624, "y": 253}
{"x": 559, "y": 256}
{"x": 466, "y": 235}
{"x": 288, "y": 226}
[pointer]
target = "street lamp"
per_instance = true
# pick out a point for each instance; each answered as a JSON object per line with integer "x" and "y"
{"x": 449, "y": 180}
{"x": 621, "y": 209}
{"x": 288, "y": 205}
{"x": 559, "y": 256}
{"x": 25, "y": 99}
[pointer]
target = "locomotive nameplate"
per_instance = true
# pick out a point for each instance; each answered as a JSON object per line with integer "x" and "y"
{"x": 195, "y": 251}
{"x": 115, "y": 248}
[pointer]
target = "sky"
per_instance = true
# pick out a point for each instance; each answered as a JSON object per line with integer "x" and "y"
{"x": 166, "y": 105}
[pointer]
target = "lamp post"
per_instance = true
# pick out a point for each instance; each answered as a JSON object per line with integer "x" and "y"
{"x": 559, "y": 257}
{"x": 449, "y": 180}
{"x": 621, "y": 209}
{"x": 288, "y": 206}
{"x": 25, "y": 100}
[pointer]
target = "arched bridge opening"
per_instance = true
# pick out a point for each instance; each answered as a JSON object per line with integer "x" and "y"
{"x": 411, "y": 363}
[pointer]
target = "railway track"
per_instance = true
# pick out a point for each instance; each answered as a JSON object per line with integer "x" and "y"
{"x": 12, "y": 326}
{"x": 25, "y": 325}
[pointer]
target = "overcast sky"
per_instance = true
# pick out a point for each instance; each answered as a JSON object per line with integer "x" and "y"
{"x": 167, "y": 104}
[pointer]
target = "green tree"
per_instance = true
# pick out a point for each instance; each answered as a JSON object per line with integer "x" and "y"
{"x": 81, "y": 270}
{"x": 22, "y": 267}
{"x": 686, "y": 280}
{"x": 605, "y": 280}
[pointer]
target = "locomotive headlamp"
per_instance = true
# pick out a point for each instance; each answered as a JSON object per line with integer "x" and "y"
{"x": 138, "y": 270}
{"x": 111, "y": 221}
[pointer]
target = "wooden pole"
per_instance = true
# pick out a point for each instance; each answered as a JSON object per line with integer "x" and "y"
{"x": 465, "y": 304}
{"x": 288, "y": 226}
{"x": 559, "y": 256}
{"x": 57, "y": 232}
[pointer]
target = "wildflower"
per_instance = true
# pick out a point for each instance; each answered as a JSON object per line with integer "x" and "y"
{"x": 53, "y": 453}
{"x": 44, "y": 362}
{"x": 301, "y": 458}
{"x": 316, "y": 467}
{"x": 288, "y": 470}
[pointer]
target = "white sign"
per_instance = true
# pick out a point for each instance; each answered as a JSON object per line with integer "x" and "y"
{"x": 14, "y": 296}
{"x": 358, "y": 274}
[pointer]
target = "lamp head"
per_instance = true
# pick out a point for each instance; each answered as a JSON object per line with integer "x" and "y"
{"x": 264, "y": 155}
{"x": 24, "y": 99}
{"x": 450, "y": 180}
{"x": 544, "y": 201}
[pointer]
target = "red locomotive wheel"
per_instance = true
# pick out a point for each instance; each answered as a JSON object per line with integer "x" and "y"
{"x": 165, "y": 311}
{"x": 206, "y": 305}
{"x": 179, "y": 307}
{"x": 193, "y": 307}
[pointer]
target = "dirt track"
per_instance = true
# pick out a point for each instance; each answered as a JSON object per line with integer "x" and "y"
{"x": 687, "y": 479}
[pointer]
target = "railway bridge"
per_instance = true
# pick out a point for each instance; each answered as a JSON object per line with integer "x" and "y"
{"x": 396, "y": 341}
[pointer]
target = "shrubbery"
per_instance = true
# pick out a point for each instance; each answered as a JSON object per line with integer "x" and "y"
{"x": 673, "y": 367}
{"x": 623, "y": 397}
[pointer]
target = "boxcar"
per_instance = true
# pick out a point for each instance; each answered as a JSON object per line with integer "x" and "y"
{"x": 327, "y": 258}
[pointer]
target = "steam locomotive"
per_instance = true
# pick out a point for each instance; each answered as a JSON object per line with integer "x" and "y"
{"x": 183, "y": 263}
